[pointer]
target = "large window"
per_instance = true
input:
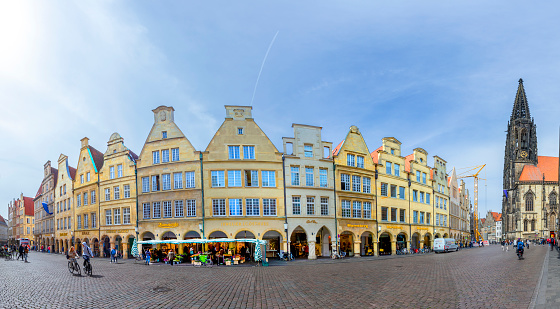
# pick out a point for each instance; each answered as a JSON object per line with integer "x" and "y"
{"x": 179, "y": 210}
{"x": 177, "y": 180}
{"x": 310, "y": 206}
{"x": 119, "y": 170}
{"x": 309, "y": 176}
{"x": 414, "y": 196}
{"x": 428, "y": 197}
{"x": 397, "y": 170}
{"x": 529, "y": 202}
{"x": 155, "y": 157}
{"x": 157, "y": 210}
{"x": 248, "y": 152}
{"x": 85, "y": 198}
{"x": 424, "y": 178}
{"x": 235, "y": 207}
{"x": 252, "y": 207}
{"x": 219, "y": 207}
{"x": 79, "y": 222}
{"x": 189, "y": 180}
{"x": 367, "y": 210}
{"x": 296, "y": 205}
{"x": 165, "y": 156}
{"x": 367, "y": 185}
{"x": 394, "y": 214}
{"x": 325, "y": 206}
{"x": 166, "y": 181}
{"x": 234, "y": 178}
{"x": 117, "y": 193}
{"x": 356, "y": 209}
{"x": 251, "y": 178}
{"x": 323, "y": 178}
{"x": 421, "y": 200}
{"x": 269, "y": 207}
{"x": 217, "y": 178}
{"x": 167, "y": 209}
{"x": 191, "y": 208}
{"x": 384, "y": 189}
{"x": 356, "y": 183}
{"x": 126, "y": 189}
{"x": 393, "y": 191}
{"x": 360, "y": 161}
{"x": 268, "y": 178}
{"x": 295, "y": 175}
{"x": 86, "y": 221}
{"x": 117, "y": 215}
{"x": 388, "y": 168}
{"x": 415, "y": 216}
{"x": 417, "y": 176}
{"x": 112, "y": 172}
{"x": 345, "y": 206}
{"x": 402, "y": 215}
{"x": 108, "y": 217}
{"x": 126, "y": 216}
{"x": 350, "y": 160}
{"x": 108, "y": 194}
{"x": 421, "y": 217}
{"x": 175, "y": 154}
{"x": 233, "y": 152}
{"x": 78, "y": 200}
{"x": 428, "y": 217}
{"x": 384, "y": 214}
{"x": 345, "y": 182}
{"x": 145, "y": 184}
{"x": 146, "y": 210}
{"x": 308, "y": 151}
{"x": 155, "y": 183}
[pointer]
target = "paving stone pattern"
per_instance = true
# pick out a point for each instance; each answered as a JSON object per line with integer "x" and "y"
{"x": 549, "y": 290}
{"x": 471, "y": 278}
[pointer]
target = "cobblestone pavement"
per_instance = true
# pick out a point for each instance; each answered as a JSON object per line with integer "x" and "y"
{"x": 549, "y": 289}
{"x": 473, "y": 278}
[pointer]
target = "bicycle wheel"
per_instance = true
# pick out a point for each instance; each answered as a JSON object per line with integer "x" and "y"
{"x": 71, "y": 267}
{"x": 77, "y": 269}
{"x": 88, "y": 269}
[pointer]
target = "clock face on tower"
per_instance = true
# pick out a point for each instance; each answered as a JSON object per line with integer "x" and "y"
{"x": 524, "y": 154}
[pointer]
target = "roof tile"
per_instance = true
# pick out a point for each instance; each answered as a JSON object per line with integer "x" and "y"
{"x": 547, "y": 166}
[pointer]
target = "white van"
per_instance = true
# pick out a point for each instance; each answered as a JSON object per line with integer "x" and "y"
{"x": 445, "y": 245}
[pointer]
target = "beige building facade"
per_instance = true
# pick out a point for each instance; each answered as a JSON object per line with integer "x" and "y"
{"x": 243, "y": 185}
{"x": 86, "y": 197}
{"x": 64, "y": 209}
{"x": 169, "y": 184}
{"x": 117, "y": 183}
{"x": 309, "y": 181}
{"x": 45, "y": 224}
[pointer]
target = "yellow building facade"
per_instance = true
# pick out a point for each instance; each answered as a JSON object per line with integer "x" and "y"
{"x": 64, "y": 210}
{"x": 355, "y": 198}
{"x": 169, "y": 184}
{"x": 243, "y": 185}
{"x": 86, "y": 197}
{"x": 117, "y": 182}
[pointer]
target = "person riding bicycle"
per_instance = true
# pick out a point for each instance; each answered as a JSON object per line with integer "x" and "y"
{"x": 72, "y": 254}
{"x": 87, "y": 253}
{"x": 520, "y": 246}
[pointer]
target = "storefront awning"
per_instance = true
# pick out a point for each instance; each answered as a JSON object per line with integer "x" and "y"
{"x": 200, "y": 241}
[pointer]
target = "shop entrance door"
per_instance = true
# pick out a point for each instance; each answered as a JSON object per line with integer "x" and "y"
{"x": 401, "y": 241}
{"x": 366, "y": 247}
{"x": 298, "y": 243}
{"x": 385, "y": 244}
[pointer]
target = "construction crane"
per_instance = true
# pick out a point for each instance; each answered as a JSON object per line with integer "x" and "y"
{"x": 473, "y": 172}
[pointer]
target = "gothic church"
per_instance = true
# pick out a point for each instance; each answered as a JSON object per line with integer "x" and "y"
{"x": 530, "y": 196}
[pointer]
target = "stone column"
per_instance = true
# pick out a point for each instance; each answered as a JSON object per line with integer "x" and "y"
{"x": 181, "y": 248}
{"x": 125, "y": 250}
{"x": 408, "y": 245}
{"x": 375, "y": 248}
{"x": 311, "y": 248}
{"x": 357, "y": 244}
{"x": 421, "y": 244}
{"x": 393, "y": 246}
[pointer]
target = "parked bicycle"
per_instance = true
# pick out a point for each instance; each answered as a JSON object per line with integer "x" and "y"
{"x": 284, "y": 256}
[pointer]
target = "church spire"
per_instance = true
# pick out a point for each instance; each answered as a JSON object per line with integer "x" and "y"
{"x": 521, "y": 106}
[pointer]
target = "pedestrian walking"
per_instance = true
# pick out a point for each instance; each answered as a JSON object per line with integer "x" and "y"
{"x": 25, "y": 253}
{"x": 113, "y": 255}
{"x": 171, "y": 257}
{"x": 503, "y": 249}
{"x": 20, "y": 250}
{"x": 147, "y": 257}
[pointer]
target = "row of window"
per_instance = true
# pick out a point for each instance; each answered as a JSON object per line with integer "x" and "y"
{"x": 86, "y": 221}
{"x": 252, "y": 207}
{"x": 165, "y": 155}
{"x": 310, "y": 205}
{"x": 92, "y": 198}
{"x": 390, "y": 214}
{"x": 117, "y": 192}
{"x": 64, "y": 223}
{"x": 248, "y": 152}
{"x": 441, "y": 220}
{"x": 353, "y": 160}
{"x": 356, "y": 209}
{"x": 309, "y": 176}
{"x": 165, "y": 182}
{"x": 63, "y": 205}
{"x": 441, "y": 203}
{"x": 358, "y": 184}
{"x": 113, "y": 216}
{"x": 251, "y": 178}
{"x": 112, "y": 171}
{"x": 154, "y": 210}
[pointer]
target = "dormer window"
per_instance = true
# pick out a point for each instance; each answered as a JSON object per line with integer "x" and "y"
{"x": 421, "y": 160}
{"x": 393, "y": 152}
{"x": 163, "y": 134}
{"x": 239, "y": 131}
{"x": 308, "y": 151}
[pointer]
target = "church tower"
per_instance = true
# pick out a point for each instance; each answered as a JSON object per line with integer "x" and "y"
{"x": 520, "y": 150}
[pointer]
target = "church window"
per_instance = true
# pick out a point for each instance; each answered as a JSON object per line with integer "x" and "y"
{"x": 525, "y": 224}
{"x": 552, "y": 199}
{"x": 529, "y": 202}
{"x": 533, "y": 225}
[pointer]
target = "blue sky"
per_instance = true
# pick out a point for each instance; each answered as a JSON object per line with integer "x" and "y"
{"x": 436, "y": 75}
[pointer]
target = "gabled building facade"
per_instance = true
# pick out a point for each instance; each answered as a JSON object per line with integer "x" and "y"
{"x": 309, "y": 181}
{"x": 243, "y": 184}
{"x": 86, "y": 197}
{"x": 117, "y": 182}
{"x": 64, "y": 206}
{"x": 442, "y": 206}
{"x": 44, "y": 215}
{"x": 355, "y": 197}
{"x": 169, "y": 184}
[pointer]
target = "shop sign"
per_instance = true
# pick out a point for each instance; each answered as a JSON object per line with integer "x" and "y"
{"x": 422, "y": 228}
{"x": 357, "y": 225}
{"x": 63, "y": 234}
{"x": 85, "y": 233}
{"x": 311, "y": 221}
{"x": 168, "y": 225}
{"x": 117, "y": 231}
{"x": 244, "y": 223}
{"x": 393, "y": 227}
